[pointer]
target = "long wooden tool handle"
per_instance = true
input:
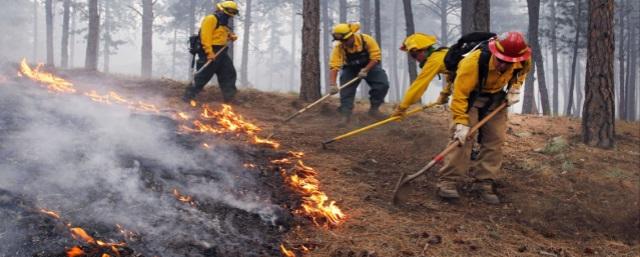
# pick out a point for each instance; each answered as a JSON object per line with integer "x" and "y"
{"x": 209, "y": 61}
{"x": 319, "y": 100}
{"x": 455, "y": 144}
{"x": 378, "y": 124}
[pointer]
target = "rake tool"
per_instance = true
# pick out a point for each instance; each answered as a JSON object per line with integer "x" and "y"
{"x": 349, "y": 83}
{"x": 404, "y": 179}
{"x": 377, "y": 124}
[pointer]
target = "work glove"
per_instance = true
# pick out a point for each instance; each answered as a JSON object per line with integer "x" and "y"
{"x": 461, "y": 133}
{"x": 233, "y": 37}
{"x": 513, "y": 96}
{"x": 333, "y": 89}
{"x": 363, "y": 73}
{"x": 443, "y": 99}
{"x": 399, "y": 112}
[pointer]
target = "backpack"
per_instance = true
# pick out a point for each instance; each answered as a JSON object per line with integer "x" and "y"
{"x": 195, "y": 44}
{"x": 466, "y": 44}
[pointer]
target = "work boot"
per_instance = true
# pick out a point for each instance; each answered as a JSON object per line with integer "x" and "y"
{"x": 188, "y": 95}
{"x": 487, "y": 192}
{"x": 345, "y": 120}
{"x": 447, "y": 190}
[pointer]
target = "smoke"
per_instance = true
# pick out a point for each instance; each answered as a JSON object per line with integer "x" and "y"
{"x": 102, "y": 164}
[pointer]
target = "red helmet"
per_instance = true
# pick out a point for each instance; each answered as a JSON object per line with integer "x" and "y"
{"x": 510, "y": 47}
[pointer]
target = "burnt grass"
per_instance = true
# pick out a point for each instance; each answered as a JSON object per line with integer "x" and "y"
{"x": 25, "y": 231}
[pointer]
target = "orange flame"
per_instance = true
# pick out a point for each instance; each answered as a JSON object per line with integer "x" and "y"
{"x": 285, "y": 252}
{"x": 80, "y": 233}
{"x": 75, "y": 252}
{"x": 54, "y": 84}
{"x": 50, "y": 213}
{"x": 183, "y": 198}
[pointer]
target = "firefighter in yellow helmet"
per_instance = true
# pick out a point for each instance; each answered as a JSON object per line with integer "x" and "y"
{"x": 357, "y": 55}
{"x": 479, "y": 87}
{"x": 214, "y": 35}
{"x": 421, "y": 47}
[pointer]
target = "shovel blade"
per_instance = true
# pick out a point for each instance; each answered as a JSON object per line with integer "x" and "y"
{"x": 400, "y": 191}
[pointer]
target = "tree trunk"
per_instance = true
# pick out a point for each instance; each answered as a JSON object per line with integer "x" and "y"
{"x": 326, "y": 46}
{"x": 91, "y": 58}
{"x": 293, "y": 49}
{"x": 579, "y": 89}
{"x": 621, "y": 58}
{"x": 310, "y": 67}
{"x": 192, "y": 16}
{"x": 475, "y": 16}
{"x": 106, "y": 49}
{"x": 174, "y": 52}
{"x": 376, "y": 22}
{"x": 64, "y": 45}
{"x": 394, "y": 54}
{"x": 528, "y": 100}
{"x": 598, "y": 114}
{"x": 48, "y": 8}
{"x": 410, "y": 27}
{"x": 444, "y": 26}
{"x": 244, "y": 66}
{"x": 343, "y": 11}
{"x": 630, "y": 81}
{"x": 534, "y": 14}
{"x": 147, "y": 39}
{"x": 554, "y": 58}
{"x": 365, "y": 16}
{"x": 574, "y": 59}
{"x": 72, "y": 39}
{"x": 35, "y": 30}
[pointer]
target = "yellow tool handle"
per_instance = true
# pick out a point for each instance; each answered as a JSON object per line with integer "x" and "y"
{"x": 319, "y": 100}
{"x": 378, "y": 124}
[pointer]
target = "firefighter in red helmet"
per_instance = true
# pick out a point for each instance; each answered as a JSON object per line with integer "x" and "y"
{"x": 486, "y": 77}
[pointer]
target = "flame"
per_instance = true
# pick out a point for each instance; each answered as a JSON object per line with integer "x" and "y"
{"x": 183, "y": 198}
{"x": 80, "y": 233}
{"x": 50, "y": 213}
{"x": 54, "y": 84}
{"x": 285, "y": 252}
{"x": 75, "y": 252}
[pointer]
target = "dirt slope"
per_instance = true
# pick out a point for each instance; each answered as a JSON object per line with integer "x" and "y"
{"x": 561, "y": 198}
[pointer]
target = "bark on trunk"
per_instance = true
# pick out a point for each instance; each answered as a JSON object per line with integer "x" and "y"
{"x": 630, "y": 82}
{"x": 244, "y": 66}
{"x": 106, "y": 49}
{"x": 310, "y": 74}
{"x": 64, "y": 45}
{"x": 394, "y": 55}
{"x": 534, "y": 14}
{"x": 365, "y": 16}
{"x": 72, "y": 39}
{"x": 444, "y": 28}
{"x": 554, "y": 57}
{"x": 528, "y": 100}
{"x": 35, "y": 30}
{"x": 147, "y": 39}
{"x": 376, "y": 22}
{"x": 48, "y": 7}
{"x": 598, "y": 114}
{"x": 294, "y": 38}
{"x": 475, "y": 16}
{"x": 574, "y": 59}
{"x": 91, "y": 57}
{"x": 410, "y": 28}
{"x": 326, "y": 47}
{"x": 343, "y": 11}
{"x": 621, "y": 58}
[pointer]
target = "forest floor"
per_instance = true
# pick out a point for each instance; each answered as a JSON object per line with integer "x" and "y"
{"x": 561, "y": 198}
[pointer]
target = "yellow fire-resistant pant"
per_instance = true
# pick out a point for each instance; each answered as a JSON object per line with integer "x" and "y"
{"x": 491, "y": 136}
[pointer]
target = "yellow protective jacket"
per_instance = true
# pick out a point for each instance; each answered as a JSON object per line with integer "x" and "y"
{"x": 338, "y": 55}
{"x": 433, "y": 66}
{"x": 467, "y": 80}
{"x": 213, "y": 35}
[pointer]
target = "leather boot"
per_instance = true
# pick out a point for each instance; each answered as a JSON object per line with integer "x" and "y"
{"x": 487, "y": 192}
{"x": 448, "y": 190}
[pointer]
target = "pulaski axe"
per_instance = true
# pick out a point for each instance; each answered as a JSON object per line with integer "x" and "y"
{"x": 404, "y": 179}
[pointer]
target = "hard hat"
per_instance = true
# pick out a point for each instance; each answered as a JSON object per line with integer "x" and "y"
{"x": 228, "y": 7}
{"x": 510, "y": 47}
{"x": 418, "y": 41}
{"x": 343, "y": 31}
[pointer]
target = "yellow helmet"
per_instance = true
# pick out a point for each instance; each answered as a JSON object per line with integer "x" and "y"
{"x": 418, "y": 41}
{"x": 343, "y": 31}
{"x": 228, "y": 7}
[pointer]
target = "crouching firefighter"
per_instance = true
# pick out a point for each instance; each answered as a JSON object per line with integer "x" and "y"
{"x": 421, "y": 48}
{"x": 213, "y": 36}
{"x": 357, "y": 55}
{"x": 479, "y": 87}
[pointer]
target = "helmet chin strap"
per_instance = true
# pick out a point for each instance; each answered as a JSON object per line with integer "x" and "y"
{"x": 223, "y": 18}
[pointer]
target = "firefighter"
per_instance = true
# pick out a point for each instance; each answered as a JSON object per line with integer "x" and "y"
{"x": 214, "y": 35}
{"x": 357, "y": 55}
{"x": 421, "y": 48}
{"x": 506, "y": 61}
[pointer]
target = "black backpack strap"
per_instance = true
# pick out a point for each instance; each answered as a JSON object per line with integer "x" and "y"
{"x": 483, "y": 71}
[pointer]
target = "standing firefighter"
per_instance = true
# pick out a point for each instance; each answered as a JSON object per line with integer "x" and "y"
{"x": 214, "y": 35}
{"x": 357, "y": 55}
{"x": 477, "y": 90}
{"x": 421, "y": 48}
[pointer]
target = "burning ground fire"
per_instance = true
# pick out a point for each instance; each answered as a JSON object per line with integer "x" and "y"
{"x": 204, "y": 120}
